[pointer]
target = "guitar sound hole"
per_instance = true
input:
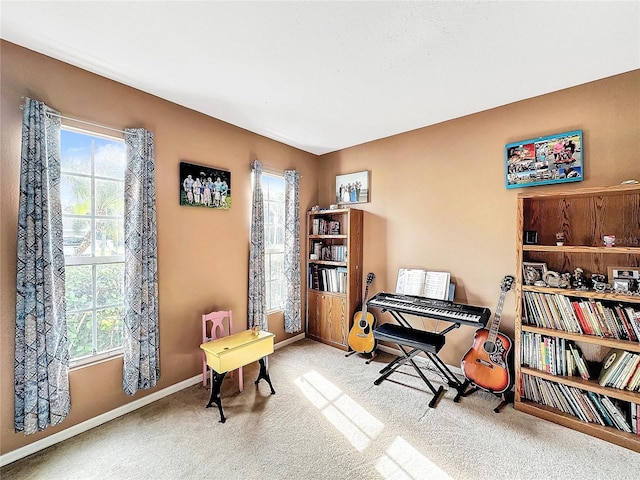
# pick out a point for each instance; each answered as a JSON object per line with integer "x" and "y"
{"x": 489, "y": 347}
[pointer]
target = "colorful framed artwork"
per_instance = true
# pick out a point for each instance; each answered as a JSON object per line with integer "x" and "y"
{"x": 545, "y": 160}
{"x": 205, "y": 187}
{"x": 352, "y": 188}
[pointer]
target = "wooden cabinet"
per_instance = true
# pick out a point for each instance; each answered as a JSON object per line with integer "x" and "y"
{"x": 334, "y": 273}
{"x": 545, "y": 314}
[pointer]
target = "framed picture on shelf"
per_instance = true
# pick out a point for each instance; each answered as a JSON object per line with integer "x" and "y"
{"x": 352, "y": 188}
{"x": 623, "y": 279}
{"x": 206, "y": 187}
{"x": 533, "y": 272}
{"x": 544, "y": 160}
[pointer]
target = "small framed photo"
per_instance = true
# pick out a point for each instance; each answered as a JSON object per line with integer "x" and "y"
{"x": 352, "y": 188}
{"x": 533, "y": 272}
{"x": 206, "y": 187}
{"x": 623, "y": 273}
{"x": 530, "y": 237}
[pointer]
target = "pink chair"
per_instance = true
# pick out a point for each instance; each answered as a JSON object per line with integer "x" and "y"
{"x": 214, "y": 331}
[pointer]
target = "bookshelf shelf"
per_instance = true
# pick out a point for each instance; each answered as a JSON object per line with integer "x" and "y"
{"x": 334, "y": 267}
{"x": 609, "y": 434}
{"x": 584, "y": 216}
{"x": 584, "y": 293}
{"x": 580, "y": 337}
{"x": 578, "y": 382}
{"x": 328, "y": 262}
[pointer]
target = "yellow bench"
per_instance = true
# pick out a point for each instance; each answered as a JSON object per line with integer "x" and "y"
{"x": 234, "y": 351}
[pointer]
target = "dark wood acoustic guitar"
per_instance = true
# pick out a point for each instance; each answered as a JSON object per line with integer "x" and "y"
{"x": 361, "y": 335}
{"x": 486, "y": 363}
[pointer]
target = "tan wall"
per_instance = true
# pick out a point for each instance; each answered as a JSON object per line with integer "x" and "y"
{"x": 203, "y": 255}
{"x": 438, "y": 201}
{"x": 438, "y": 195}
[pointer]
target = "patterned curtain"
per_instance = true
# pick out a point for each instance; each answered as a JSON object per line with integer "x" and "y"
{"x": 41, "y": 347}
{"x": 257, "y": 316}
{"x": 292, "y": 307}
{"x": 140, "y": 336}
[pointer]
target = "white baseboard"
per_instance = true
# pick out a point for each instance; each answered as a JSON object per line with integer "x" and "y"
{"x": 34, "y": 447}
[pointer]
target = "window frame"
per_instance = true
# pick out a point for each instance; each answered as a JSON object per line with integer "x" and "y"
{"x": 270, "y": 252}
{"x": 92, "y": 259}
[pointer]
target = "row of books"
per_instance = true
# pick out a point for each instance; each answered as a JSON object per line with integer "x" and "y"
{"x": 556, "y": 356}
{"x": 335, "y": 253}
{"x": 588, "y": 406}
{"x": 328, "y": 279}
{"x": 621, "y": 369}
{"x": 585, "y": 316}
{"x": 322, "y": 226}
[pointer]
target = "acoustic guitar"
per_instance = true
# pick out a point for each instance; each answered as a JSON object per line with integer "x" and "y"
{"x": 486, "y": 363}
{"x": 361, "y": 335}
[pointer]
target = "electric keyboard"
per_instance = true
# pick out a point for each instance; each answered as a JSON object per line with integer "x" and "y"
{"x": 432, "y": 308}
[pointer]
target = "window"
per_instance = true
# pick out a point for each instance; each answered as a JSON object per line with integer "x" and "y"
{"x": 92, "y": 196}
{"x": 273, "y": 193}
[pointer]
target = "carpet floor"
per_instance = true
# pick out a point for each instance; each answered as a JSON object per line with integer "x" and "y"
{"x": 328, "y": 420}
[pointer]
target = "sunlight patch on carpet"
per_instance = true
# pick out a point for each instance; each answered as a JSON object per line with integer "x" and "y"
{"x": 354, "y": 422}
{"x": 401, "y": 461}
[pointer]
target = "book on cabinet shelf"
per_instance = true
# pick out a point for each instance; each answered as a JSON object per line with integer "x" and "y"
{"x": 323, "y": 226}
{"x": 327, "y": 279}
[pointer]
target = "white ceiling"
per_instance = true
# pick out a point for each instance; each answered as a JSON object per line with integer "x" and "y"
{"x": 323, "y": 76}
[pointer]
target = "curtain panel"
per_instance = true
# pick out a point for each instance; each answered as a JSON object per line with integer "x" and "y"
{"x": 141, "y": 335}
{"x": 292, "y": 310}
{"x": 41, "y": 372}
{"x": 257, "y": 316}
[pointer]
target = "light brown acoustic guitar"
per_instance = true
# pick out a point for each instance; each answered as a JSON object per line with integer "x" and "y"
{"x": 361, "y": 335}
{"x": 486, "y": 363}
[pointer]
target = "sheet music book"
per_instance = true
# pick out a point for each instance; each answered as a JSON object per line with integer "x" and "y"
{"x": 415, "y": 281}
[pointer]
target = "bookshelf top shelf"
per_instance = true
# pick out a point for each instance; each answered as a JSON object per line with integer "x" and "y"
{"x": 327, "y": 211}
{"x": 584, "y": 192}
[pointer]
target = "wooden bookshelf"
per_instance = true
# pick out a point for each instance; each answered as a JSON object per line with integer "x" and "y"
{"x": 584, "y": 216}
{"x": 334, "y": 274}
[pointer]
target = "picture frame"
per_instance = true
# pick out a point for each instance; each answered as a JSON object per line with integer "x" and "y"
{"x": 620, "y": 273}
{"x": 533, "y": 272}
{"x": 352, "y": 188}
{"x": 205, "y": 187}
{"x": 530, "y": 237}
{"x": 546, "y": 160}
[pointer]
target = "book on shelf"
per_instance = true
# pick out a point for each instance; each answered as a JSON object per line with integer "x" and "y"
{"x": 424, "y": 283}
{"x": 611, "y": 363}
{"x": 322, "y": 226}
{"x": 580, "y": 362}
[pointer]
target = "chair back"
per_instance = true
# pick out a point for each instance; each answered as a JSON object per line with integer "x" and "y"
{"x": 213, "y": 325}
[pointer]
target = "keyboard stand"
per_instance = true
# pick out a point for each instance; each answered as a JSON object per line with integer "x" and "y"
{"x": 451, "y": 379}
{"x": 410, "y": 342}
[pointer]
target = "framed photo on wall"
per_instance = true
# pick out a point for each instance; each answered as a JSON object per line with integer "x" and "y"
{"x": 352, "y": 188}
{"x": 206, "y": 187}
{"x": 544, "y": 160}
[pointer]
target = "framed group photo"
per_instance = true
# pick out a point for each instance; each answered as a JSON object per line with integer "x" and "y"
{"x": 541, "y": 161}
{"x": 352, "y": 188}
{"x": 205, "y": 187}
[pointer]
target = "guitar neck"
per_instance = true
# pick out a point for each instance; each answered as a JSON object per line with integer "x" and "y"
{"x": 493, "y": 331}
